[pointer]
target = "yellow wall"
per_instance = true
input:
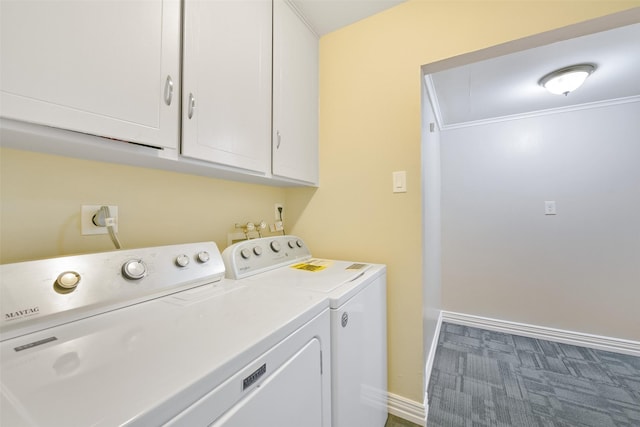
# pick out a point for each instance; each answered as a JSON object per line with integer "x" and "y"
{"x": 41, "y": 197}
{"x": 370, "y": 126}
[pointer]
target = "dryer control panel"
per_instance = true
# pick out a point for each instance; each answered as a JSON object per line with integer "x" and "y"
{"x": 44, "y": 293}
{"x": 249, "y": 257}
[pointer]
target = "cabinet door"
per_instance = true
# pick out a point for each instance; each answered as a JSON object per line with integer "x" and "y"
{"x": 101, "y": 67}
{"x": 295, "y": 97}
{"x": 226, "y": 115}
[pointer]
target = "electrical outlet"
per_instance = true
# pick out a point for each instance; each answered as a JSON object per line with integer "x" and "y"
{"x": 550, "y": 207}
{"x": 87, "y": 226}
{"x": 277, "y": 206}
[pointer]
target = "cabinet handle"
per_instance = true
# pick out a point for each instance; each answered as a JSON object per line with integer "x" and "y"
{"x": 192, "y": 105}
{"x": 278, "y": 139}
{"x": 168, "y": 90}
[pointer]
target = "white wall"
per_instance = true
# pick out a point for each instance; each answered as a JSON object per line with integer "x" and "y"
{"x": 503, "y": 258}
{"x": 431, "y": 208}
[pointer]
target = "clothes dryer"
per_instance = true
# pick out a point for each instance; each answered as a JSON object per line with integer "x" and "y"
{"x": 357, "y": 297}
{"x": 157, "y": 336}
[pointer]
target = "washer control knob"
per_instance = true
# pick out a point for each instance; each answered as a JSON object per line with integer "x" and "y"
{"x": 245, "y": 253}
{"x": 134, "y": 269}
{"x": 299, "y": 243}
{"x": 257, "y": 250}
{"x": 68, "y": 280}
{"x": 275, "y": 246}
{"x": 203, "y": 257}
{"x": 292, "y": 244}
{"x": 182, "y": 260}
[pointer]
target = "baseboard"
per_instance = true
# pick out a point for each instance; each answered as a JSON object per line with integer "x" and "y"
{"x": 429, "y": 365}
{"x": 407, "y": 409}
{"x": 615, "y": 345}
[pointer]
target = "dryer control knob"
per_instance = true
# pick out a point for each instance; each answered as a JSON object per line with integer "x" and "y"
{"x": 257, "y": 250}
{"x": 245, "y": 253}
{"x": 134, "y": 269}
{"x": 275, "y": 246}
{"x": 68, "y": 280}
{"x": 292, "y": 244}
{"x": 182, "y": 260}
{"x": 299, "y": 243}
{"x": 203, "y": 256}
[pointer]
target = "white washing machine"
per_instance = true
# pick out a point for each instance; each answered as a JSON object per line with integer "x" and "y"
{"x": 357, "y": 295}
{"x": 157, "y": 336}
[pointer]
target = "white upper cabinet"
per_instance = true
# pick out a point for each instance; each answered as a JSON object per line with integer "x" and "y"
{"x": 226, "y": 111}
{"x": 245, "y": 106}
{"x": 107, "y": 68}
{"x": 295, "y": 97}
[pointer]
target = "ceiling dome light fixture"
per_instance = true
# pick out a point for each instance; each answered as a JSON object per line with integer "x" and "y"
{"x": 568, "y": 79}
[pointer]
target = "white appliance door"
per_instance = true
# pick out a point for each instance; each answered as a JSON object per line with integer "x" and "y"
{"x": 291, "y": 396}
{"x": 359, "y": 358}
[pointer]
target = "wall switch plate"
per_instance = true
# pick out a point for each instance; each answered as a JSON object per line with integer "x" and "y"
{"x": 399, "y": 181}
{"x": 87, "y": 227}
{"x": 549, "y": 207}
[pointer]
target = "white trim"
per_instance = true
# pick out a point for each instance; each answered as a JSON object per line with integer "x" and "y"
{"x": 429, "y": 365}
{"x": 585, "y": 106}
{"x": 433, "y": 99}
{"x": 616, "y": 345}
{"x": 294, "y": 7}
{"x": 407, "y": 409}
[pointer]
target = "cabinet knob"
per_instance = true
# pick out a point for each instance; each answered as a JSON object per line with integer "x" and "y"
{"x": 168, "y": 90}
{"x": 192, "y": 105}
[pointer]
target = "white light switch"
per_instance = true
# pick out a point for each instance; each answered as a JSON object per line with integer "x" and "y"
{"x": 549, "y": 207}
{"x": 399, "y": 182}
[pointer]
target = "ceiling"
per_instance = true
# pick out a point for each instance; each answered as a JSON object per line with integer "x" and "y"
{"x": 508, "y": 85}
{"x": 325, "y": 16}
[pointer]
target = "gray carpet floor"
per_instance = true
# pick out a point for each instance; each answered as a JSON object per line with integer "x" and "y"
{"x": 485, "y": 378}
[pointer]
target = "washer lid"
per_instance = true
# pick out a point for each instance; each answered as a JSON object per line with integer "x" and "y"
{"x": 339, "y": 280}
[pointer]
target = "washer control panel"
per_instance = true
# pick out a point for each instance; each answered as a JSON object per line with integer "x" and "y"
{"x": 44, "y": 293}
{"x": 249, "y": 257}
